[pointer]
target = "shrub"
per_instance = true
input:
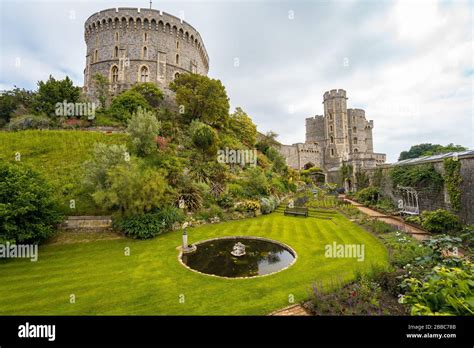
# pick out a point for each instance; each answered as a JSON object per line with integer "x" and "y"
{"x": 133, "y": 189}
{"x": 143, "y": 226}
{"x": 203, "y": 136}
{"x": 29, "y": 122}
{"x": 440, "y": 221}
{"x": 28, "y": 212}
{"x": 248, "y": 206}
{"x": 210, "y": 213}
{"x": 445, "y": 291}
{"x": 423, "y": 175}
{"x": 225, "y": 200}
{"x": 368, "y": 196}
{"x": 103, "y": 159}
{"x": 126, "y": 103}
{"x": 169, "y": 215}
{"x": 267, "y": 205}
{"x": 149, "y": 91}
{"x": 143, "y": 128}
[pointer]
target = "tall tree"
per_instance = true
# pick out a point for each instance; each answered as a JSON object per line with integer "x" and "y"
{"x": 428, "y": 149}
{"x": 55, "y": 91}
{"x": 201, "y": 98}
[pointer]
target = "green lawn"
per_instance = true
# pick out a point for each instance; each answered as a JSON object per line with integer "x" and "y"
{"x": 59, "y": 155}
{"x": 151, "y": 280}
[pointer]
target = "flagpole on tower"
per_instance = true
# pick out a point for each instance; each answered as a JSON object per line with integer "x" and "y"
{"x": 150, "y": 4}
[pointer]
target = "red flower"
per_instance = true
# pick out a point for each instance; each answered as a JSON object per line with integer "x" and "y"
{"x": 354, "y": 293}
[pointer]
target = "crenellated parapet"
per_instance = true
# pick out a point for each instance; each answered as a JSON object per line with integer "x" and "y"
{"x": 133, "y": 45}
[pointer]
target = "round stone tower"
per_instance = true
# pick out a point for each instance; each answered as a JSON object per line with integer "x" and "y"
{"x": 130, "y": 45}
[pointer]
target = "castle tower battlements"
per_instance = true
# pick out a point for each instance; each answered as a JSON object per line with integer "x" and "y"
{"x": 130, "y": 45}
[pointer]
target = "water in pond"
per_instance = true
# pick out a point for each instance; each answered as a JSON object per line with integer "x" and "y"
{"x": 261, "y": 257}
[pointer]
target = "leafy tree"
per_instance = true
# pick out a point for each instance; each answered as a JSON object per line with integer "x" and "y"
{"x": 243, "y": 127}
{"x": 203, "y": 136}
{"x": 202, "y": 98}
{"x": 15, "y": 100}
{"x": 133, "y": 189}
{"x": 104, "y": 158}
{"x": 101, "y": 84}
{"x": 28, "y": 212}
{"x": 143, "y": 128}
{"x": 153, "y": 95}
{"x": 55, "y": 91}
{"x": 266, "y": 141}
{"x": 428, "y": 150}
{"x": 126, "y": 103}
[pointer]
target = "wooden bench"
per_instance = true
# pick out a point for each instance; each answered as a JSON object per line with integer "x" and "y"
{"x": 296, "y": 211}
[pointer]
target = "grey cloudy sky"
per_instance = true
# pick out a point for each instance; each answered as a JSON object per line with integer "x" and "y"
{"x": 409, "y": 64}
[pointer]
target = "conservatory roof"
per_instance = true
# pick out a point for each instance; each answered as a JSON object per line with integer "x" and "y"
{"x": 434, "y": 157}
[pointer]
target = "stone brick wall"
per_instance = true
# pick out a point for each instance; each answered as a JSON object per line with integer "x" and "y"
{"x": 172, "y": 46}
{"x": 430, "y": 200}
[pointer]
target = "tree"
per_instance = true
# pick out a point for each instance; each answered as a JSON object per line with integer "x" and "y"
{"x": 203, "y": 136}
{"x": 104, "y": 158}
{"x": 28, "y": 212}
{"x": 14, "y": 101}
{"x": 243, "y": 127}
{"x": 101, "y": 84}
{"x": 55, "y": 91}
{"x": 266, "y": 141}
{"x": 152, "y": 94}
{"x": 428, "y": 150}
{"x": 143, "y": 128}
{"x": 126, "y": 103}
{"x": 133, "y": 189}
{"x": 202, "y": 98}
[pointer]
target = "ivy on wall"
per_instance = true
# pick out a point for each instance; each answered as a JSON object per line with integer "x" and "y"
{"x": 377, "y": 178}
{"x": 417, "y": 176}
{"x": 346, "y": 172}
{"x": 362, "y": 180}
{"x": 452, "y": 179}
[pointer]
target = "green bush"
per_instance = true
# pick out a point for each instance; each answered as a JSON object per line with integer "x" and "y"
{"x": 126, "y": 103}
{"x": 440, "y": 221}
{"x": 225, "y": 200}
{"x": 248, "y": 206}
{"x": 29, "y": 122}
{"x": 143, "y": 128}
{"x": 143, "y": 226}
{"x": 28, "y": 212}
{"x": 267, "y": 205}
{"x": 368, "y": 196}
{"x": 169, "y": 215}
{"x": 445, "y": 291}
{"x": 211, "y": 212}
{"x": 418, "y": 176}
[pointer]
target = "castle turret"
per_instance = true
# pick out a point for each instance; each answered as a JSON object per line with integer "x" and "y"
{"x": 335, "y": 118}
{"x": 130, "y": 45}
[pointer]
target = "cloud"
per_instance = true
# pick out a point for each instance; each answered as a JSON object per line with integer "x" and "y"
{"x": 407, "y": 63}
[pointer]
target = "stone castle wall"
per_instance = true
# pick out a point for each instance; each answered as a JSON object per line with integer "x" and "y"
{"x": 430, "y": 200}
{"x": 122, "y": 42}
{"x": 341, "y": 135}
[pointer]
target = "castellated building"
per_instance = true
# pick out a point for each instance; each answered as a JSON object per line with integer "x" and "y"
{"x": 340, "y": 136}
{"x": 130, "y": 45}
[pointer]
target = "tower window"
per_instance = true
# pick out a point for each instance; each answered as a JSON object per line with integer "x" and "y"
{"x": 114, "y": 74}
{"x": 176, "y": 75}
{"x": 356, "y": 150}
{"x": 330, "y": 128}
{"x": 177, "y": 59}
{"x": 145, "y": 53}
{"x": 332, "y": 140}
{"x": 116, "y": 36}
{"x": 116, "y": 50}
{"x": 354, "y": 129}
{"x": 177, "y": 44}
{"x": 96, "y": 56}
{"x": 332, "y": 152}
{"x": 144, "y": 74}
{"x": 145, "y": 37}
{"x": 355, "y": 141}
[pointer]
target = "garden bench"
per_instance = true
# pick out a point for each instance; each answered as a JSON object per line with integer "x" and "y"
{"x": 296, "y": 211}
